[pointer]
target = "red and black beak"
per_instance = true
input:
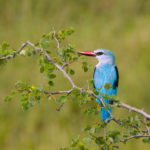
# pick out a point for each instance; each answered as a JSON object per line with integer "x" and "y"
{"x": 88, "y": 53}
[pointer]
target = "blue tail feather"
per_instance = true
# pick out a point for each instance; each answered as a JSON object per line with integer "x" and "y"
{"x": 105, "y": 115}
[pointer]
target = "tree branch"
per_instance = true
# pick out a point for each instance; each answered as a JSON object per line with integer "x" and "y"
{"x": 135, "y": 136}
{"x": 60, "y": 68}
{"x": 49, "y": 93}
{"x": 15, "y": 52}
{"x": 131, "y": 108}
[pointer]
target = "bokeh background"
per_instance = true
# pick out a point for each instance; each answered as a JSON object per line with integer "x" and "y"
{"x": 121, "y": 26}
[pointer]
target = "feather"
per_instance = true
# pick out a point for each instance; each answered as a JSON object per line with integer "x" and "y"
{"x": 106, "y": 73}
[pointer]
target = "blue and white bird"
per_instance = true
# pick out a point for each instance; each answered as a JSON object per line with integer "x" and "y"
{"x": 105, "y": 72}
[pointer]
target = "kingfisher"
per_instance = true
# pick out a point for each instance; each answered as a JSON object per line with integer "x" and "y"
{"x": 105, "y": 73}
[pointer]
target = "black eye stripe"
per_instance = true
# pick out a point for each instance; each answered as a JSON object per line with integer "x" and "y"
{"x": 99, "y": 53}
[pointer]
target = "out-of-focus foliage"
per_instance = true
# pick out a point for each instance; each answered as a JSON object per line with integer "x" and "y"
{"x": 121, "y": 26}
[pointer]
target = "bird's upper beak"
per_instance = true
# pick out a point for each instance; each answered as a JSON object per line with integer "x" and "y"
{"x": 89, "y": 53}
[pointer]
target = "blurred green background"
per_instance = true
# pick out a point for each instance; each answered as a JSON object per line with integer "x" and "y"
{"x": 121, "y": 26}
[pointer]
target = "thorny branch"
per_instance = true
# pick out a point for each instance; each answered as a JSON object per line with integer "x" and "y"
{"x": 139, "y": 111}
{"x": 131, "y": 108}
{"x": 60, "y": 68}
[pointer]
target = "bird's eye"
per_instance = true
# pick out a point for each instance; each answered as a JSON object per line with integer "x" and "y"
{"x": 99, "y": 53}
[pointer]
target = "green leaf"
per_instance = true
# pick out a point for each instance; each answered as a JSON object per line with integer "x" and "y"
{"x": 148, "y": 140}
{"x": 85, "y": 63}
{"x": 82, "y": 147}
{"x": 74, "y": 142}
{"x": 136, "y": 118}
{"x": 44, "y": 43}
{"x": 29, "y": 52}
{"x": 148, "y": 124}
{"x": 87, "y": 140}
{"x": 106, "y": 96}
{"x": 40, "y": 88}
{"x": 51, "y": 76}
{"x": 26, "y": 105}
{"x": 35, "y": 91}
{"x": 51, "y": 68}
{"x": 69, "y": 31}
{"x": 41, "y": 69}
{"x": 95, "y": 92}
{"x": 51, "y": 83}
{"x": 85, "y": 68}
{"x": 130, "y": 119}
{"x": 8, "y": 99}
{"x": 114, "y": 97}
{"x": 91, "y": 82}
{"x": 107, "y": 86}
{"x": 37, "y": 44}
{"x": 99, "y": 140}
{"x": 76, "y": 91}
{"x": 125, "y": 134}
{"x": 115, "y": 147}
{"x": 21, "y": 85}
{"x": 88, "y": 127}
{"x": 110, "y": 139}
{"x": 115, "y": 132}
{"x": 92, "y": 130}
{"x": 62, "y": 99}
{"x": 72, "y": 72}
{"x": 97, "y": 130}
{"x": 145, "y": 140}
{"x": 5, "y": 45}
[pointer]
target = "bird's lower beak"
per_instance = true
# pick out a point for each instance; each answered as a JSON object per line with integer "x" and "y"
{"x": 89, "y": 53}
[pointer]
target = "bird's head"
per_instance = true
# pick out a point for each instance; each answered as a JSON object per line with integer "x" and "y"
{"x": 104, "y": 56}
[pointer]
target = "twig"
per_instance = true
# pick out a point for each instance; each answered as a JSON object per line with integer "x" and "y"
{"x": 60, "y": 106}
{"x": 135, "y": 136}
{"x": 61, "y": 92}
{"x": 131, "y": 108}
{"x": 68, "y": 63}
{"x": 59, "y": 68}
{"x": 49, "y": 93}
{"x": 33, "y": 46}
{"x": 115, "y": 120}
{"x": 15, "y": 52}
{"x": 54, "y": 35}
